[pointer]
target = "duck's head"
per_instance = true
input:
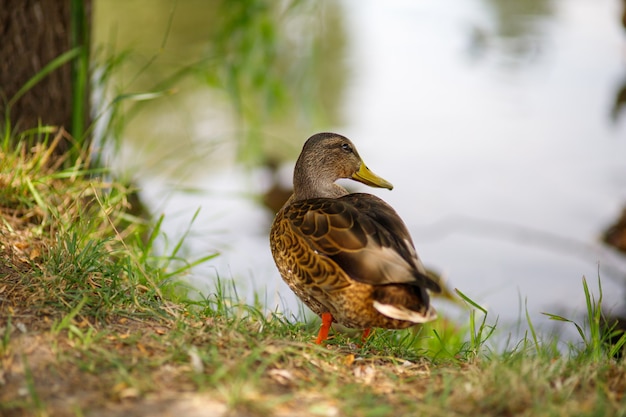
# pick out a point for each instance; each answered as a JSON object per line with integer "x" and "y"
{"x": 325, "y": 158}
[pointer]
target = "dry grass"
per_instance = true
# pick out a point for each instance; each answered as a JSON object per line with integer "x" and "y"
{"x": 87, "y": 328}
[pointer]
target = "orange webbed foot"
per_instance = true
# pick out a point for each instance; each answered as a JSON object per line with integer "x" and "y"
{"x": 327, "y": 320}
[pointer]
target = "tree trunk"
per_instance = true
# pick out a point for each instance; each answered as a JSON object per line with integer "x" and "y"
{"x": 33, "y": 33}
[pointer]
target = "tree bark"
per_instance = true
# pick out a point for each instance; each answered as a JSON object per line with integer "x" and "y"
{"x": 33, "y": 33}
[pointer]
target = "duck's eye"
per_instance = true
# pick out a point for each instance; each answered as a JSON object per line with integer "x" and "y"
{"x": 346, "y": 147}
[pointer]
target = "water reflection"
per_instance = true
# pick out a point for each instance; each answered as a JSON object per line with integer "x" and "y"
{"x": 615, "y": 235}
{"x": 505, "y": 178}
{"x": 620, "y": 95}
{"x": 515, "y": 30}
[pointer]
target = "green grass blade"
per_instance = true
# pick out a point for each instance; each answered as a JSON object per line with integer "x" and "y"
{"x": 67, "y": 319}
{"x": 36, "y": 196}
{"x": 618, "y": 346}
{"x": 179, "y": 245}
{"x": 191, "y": 265}
{"x": 151, "y": 95}
{"x": 44, "y": 72}
{"x": 147, "y": 247}
{"x": 531, "y": 327}
{"x": 556, "y": 317}
{"x": 79, "y": 39}
{"x": 470, "y": 301}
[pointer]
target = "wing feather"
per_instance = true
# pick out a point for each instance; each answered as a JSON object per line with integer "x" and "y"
{"x": 364, "y": 236}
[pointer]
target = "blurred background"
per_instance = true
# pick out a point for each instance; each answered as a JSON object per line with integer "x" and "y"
{"x": 499, "y": 122}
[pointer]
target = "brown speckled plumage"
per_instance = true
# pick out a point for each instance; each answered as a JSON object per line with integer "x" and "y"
{"x": 349, "y": 255}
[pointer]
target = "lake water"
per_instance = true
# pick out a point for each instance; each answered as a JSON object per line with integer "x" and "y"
{"x": 494, "y": 126}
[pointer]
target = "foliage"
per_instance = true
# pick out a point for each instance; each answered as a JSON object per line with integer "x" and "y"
{"x": 258, "y": 60}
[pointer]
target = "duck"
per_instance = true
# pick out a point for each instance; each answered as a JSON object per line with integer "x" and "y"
{"x": 348, "y": 256}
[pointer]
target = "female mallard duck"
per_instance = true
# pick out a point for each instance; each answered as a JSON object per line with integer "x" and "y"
{"x": 349, "y": 257}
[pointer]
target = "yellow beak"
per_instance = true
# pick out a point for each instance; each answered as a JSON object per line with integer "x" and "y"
{"x": 367, "y": 177}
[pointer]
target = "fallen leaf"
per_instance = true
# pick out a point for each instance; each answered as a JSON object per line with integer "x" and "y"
{"x": 282, "y": 376}
{"x": 130, "y": 392}
{"x": 348, "y": 359}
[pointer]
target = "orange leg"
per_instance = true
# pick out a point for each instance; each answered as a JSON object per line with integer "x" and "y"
{"x": 366, "y": 334}
{"x": 327, "y": 320}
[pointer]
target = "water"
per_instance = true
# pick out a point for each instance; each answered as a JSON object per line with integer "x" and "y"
{"x": 496, "y": 135}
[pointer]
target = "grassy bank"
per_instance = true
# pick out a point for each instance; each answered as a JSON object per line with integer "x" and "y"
{"x": 93, "y": 323}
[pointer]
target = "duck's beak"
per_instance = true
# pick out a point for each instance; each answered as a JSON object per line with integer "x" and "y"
{"x": 367, "y": 177}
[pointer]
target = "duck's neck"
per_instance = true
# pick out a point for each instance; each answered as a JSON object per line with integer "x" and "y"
{"x": 320, "y": 185}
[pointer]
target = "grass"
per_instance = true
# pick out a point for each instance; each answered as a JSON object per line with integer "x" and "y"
{"x": 92, "y": 321}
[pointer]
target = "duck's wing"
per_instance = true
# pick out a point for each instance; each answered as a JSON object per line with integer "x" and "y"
{"x": 364, "y": 236}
